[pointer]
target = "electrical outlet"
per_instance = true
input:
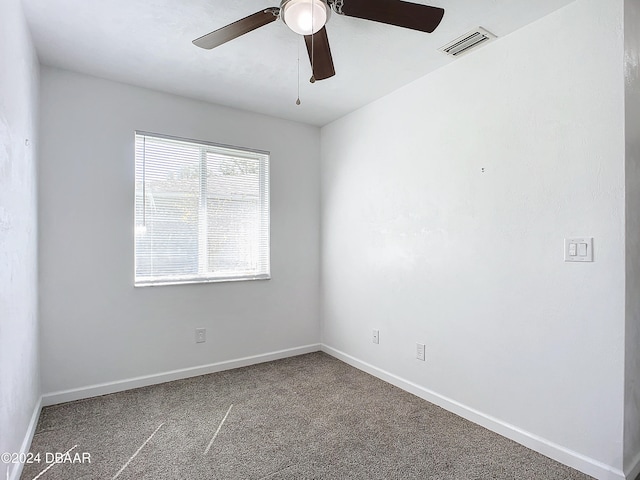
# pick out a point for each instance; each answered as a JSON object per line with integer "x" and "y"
{"x": 376, "y": 336}
{"x": 420, "y": 351}
{"x": 201, "y": 335}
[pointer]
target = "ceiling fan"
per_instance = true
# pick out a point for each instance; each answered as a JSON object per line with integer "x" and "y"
{"x": 308, "y": 18}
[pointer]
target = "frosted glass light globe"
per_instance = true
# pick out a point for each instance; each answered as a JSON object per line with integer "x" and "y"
{"x": 305, "y": 17}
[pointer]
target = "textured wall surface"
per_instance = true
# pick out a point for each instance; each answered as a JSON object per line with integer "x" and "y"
{"x": 445, "y": 206}
{"x": 19, "y": 376}
{"x": 632, "y": 197}
{"x": 96, "y": 327}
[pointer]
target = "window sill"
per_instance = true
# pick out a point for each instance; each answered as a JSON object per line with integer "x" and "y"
{"x": 191, "y": 281}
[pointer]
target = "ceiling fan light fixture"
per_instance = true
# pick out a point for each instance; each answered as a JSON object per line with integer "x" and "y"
{"x": 305, "y": 17}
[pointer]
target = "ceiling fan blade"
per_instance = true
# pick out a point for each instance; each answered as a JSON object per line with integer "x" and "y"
{"x": 236, "y": 29}
{"x": 395, "y": 12}
{"x": 320, "y": 54}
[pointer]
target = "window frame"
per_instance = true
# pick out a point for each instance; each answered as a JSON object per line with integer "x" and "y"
{"x": 264, "y": 206}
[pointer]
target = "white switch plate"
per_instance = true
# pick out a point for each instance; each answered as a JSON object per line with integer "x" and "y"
{"x": 376, "y": 336}
{"x": 201, "y": 335}
{"x": 579, "y": 249}
{"x": 420, "y": 351}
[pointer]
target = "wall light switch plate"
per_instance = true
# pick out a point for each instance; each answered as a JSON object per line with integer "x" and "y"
{"x": 420, "y": 354}
{"x": 201, "y": 335}
{"x": 578, "y": 249}
{"x": 376, "y": 336}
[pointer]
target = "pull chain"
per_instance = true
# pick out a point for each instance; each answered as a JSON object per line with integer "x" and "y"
{"x": 313, "y": 77}
{"x": 298, "y": 100}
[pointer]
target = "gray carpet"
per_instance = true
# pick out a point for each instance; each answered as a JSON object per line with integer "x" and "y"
{"x": 306, "y": 417}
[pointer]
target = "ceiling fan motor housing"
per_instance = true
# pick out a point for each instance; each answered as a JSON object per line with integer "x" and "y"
{"x": 305, "y": 17}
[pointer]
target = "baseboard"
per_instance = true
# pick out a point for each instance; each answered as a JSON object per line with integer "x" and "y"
{"x": 28, "y": 438}
{"x": 545, "y": 447}
{"x": 634, "y": 472}
{"x": 144, "y": 381}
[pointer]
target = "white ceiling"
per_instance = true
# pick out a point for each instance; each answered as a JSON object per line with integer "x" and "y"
{"x": 148, "y": 43}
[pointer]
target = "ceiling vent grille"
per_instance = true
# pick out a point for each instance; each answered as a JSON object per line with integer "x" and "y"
{"x": 467, "y": 42}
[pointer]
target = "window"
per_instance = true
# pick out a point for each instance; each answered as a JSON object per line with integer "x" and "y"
{"x": 201, "y": 212}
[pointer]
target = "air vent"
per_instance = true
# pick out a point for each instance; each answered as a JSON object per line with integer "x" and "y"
{"x": 468, "y": 42}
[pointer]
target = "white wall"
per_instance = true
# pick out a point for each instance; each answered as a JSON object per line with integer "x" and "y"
{"x": 420, "y": 243}
{"x": 96, "y": 327}
{"x": 632, "y": 197}
{"x": 19, "y": 372}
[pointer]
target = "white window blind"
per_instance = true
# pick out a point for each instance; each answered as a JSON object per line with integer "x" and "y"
{"x": 201, "y": 212}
